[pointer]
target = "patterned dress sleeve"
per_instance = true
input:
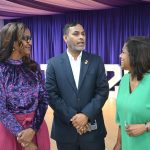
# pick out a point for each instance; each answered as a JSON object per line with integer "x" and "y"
{"x": 7, "y": 118}
{"x": 42, "y": 104}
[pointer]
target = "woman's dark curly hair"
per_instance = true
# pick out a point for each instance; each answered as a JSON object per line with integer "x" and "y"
{"x": 10, "y": 33}
{"x": 139, "y": 55}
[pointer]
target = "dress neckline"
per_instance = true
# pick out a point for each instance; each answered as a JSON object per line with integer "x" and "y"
{"x": 15, "y": 62}
{"x": 130, "y": 90}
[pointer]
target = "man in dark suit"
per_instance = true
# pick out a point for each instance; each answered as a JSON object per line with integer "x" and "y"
{"x": 77, "y": 85}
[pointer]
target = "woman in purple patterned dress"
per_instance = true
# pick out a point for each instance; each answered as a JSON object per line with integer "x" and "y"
{"x": 23, "y": 98}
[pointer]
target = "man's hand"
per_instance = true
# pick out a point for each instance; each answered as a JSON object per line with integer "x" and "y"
{"x": 26, "y": 136}
{"x": 83, "y": 130}
{"x": 79, "y": 121}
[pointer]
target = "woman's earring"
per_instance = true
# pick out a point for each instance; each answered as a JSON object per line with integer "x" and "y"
{"x": 13, "y": 49}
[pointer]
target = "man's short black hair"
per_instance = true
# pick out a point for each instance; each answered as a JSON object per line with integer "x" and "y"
{"x": 68, "y": 25}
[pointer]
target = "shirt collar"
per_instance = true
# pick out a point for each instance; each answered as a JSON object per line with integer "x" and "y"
{"x": 72, "y": 58}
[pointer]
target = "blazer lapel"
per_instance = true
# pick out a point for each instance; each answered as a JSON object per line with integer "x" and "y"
{"x": 68, "y": 71}
{"x": 84, "y": 67}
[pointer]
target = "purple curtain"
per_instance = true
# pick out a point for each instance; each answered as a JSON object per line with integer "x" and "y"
{"x": 106, "y": 31}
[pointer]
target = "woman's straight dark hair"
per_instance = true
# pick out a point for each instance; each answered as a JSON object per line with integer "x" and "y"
{"x": 139, "y": 55}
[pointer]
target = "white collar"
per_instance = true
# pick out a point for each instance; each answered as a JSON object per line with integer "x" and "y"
{"x": 72, "y": 58}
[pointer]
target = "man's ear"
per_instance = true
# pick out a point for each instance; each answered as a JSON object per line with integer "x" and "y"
{"x": 65, "y": 38}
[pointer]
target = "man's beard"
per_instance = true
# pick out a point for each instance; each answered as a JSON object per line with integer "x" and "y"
{"x": 76, "y": 48}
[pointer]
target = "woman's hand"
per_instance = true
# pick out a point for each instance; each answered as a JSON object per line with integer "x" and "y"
{"x": 118, "y": 143}
{"x": 31, "y": 146}
{"x": 26, "y": 136}
{"x": 117, "y": 146}
{"x": 135, "y": 129}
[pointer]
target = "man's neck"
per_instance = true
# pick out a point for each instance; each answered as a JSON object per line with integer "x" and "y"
{"x": 74, "y": 53}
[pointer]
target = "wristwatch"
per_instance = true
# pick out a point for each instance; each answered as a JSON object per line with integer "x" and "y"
{"x": 147, "y": 126}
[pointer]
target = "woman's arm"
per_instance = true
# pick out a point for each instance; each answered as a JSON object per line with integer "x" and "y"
{"x": 27, "y": 135}
{"x": 42, "y": 104}
{"x": 6, "y": 117}
{"x": 118, "y": 143}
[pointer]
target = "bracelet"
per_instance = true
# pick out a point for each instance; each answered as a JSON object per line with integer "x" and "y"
{"x": 146, "y": 126}
{"x": 24, "y": 145}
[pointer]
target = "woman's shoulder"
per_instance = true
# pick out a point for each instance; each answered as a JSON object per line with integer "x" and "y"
{"x": 125, "y": 79}
{"x": 125, "y": 76}
{"x": 3, "y": 65}
{"x": 146, "y": 77}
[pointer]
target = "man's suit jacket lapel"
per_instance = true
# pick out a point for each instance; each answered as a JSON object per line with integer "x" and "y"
{"x": 84, "y": 67}
{"x": 68, "y": 71}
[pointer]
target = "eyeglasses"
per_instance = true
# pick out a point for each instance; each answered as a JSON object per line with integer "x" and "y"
{"x": 27, "y": 38}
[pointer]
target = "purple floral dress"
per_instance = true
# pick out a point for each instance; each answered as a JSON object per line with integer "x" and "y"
{"x": 21, "y": 92}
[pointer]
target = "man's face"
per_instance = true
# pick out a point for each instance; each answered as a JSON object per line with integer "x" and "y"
{"x": 75, "y": 38}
